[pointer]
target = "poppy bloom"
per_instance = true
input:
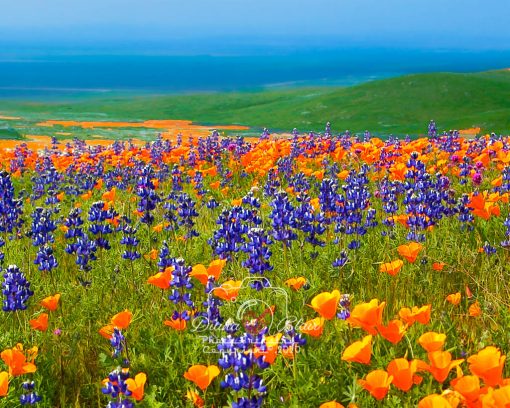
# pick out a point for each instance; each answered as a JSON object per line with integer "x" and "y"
{"x": 228, "y": 291}
{"x": 368, "y": 316}
{"x": 359, "y": 351}
{"x": 326, "y": 304}
{"x": 40, "y": 323}
{"x": 313, "y": 327}
{"x": 432, "y": 341}
{"x": 394, "y": 331}
{"x": 392, "y": 268}
{"x": 468, "y": 386}
{"x": 202, "y": 273}
{"x": 404, "y": 373}
{"x": 438, "y": 266}
{"x": 410, "y": 251}
{"x": 496, "y": 398}
{"x": 4, "y": 383}
{"x": 331, "y": 404}
{"x": 109, "y": 195}
{"x": 454, "y": 298}
{"x": 152, "y": 254}
{"x": 377, "y": 383}
{"x": 475, "y": 310}
{"x": 122, "y": 320}
{"x": 441, "y": 364}
{"x": 51, "y": 302}
{"x": 161, "y": 279}
{"x": 196, "y": 400}
{"x": 176, "y": 324}
{"x": 488, "y": 365}
{"x": 416, "y": 314}
{"x": 136, "y": 385}
{"x": 202, "y": 375}
{"x": 18, "y": 362}
{"x": 271, "y": 348}
{"x": 107, "y": 331}
{"x": 434, "y": 401}
{"x": 295, "y": 283}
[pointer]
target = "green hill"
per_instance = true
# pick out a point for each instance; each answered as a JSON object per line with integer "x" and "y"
{"x": 397, "y": 105}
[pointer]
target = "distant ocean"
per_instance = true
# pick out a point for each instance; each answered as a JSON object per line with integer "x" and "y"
{"x": 40, "y": 76}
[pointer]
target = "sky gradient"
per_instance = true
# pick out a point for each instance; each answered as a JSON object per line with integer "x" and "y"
{"x": 189, "y": 24}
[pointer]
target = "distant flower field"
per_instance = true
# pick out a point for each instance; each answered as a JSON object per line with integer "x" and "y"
{"x": 318, "y": 270}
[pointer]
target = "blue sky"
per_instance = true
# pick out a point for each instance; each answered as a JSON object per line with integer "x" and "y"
{"x": 133, "y": 23}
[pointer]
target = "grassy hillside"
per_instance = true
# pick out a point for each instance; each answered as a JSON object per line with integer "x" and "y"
{"x": 398, "y": 105}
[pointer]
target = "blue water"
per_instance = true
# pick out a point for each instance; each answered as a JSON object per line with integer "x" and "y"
{"x": 38, "y": 75}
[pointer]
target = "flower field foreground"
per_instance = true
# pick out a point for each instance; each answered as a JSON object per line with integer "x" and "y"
{"x": 319, "y": 270}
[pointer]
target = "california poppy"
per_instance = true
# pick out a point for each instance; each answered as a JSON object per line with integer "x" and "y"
{"x": 410, "y": 251}
{"x": 475, "y": 310}
{"x": 434, "y": 401}
{"x": 122, "y": 320}
{"x": 326, "y": 304}
{"x": 51, "y": 302}
{"x": 496, "y": 398}
{"x": 404, "y": 373}
{"x": 202, "y": 375}
{"x": 359, "y": 351}
{"x": 488, "y": 365}
{"x": 214, "y": 269}
{"x": 295, "y": 283}
{"x": 18, "y": 362}
{"x": 394, "y": 331}
{"x": 4, "y": 383}
{"x": 40, "y": 323}
{"x": 468, "y": 386}
{"x": 438, "y": 266}
{"x": 271, "y": 348}
{"x": 331, "y": 404}
{"x": 195, "y": 399}
{"x": 392, "y": 268}
{"x": 107, "y": 331}
{"x": 161, "y": 279}
{"x": 454, "y": 298}
{"x": 415, "y": 314}
{"x": 377, "y": 383}
{"x": 441, "y": 364}
{"x": 176, "y": 324}
{"x": 367, "y": 316}
{"x": 432, "y": 341}
{"x": 313, "y": 327}
{"x": 136, "y": 385}
{"x": 228, "y": 291}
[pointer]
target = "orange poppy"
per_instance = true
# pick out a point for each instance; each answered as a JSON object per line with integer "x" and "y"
{"x": 377, "y": 383}
{"x": 17, "y": 361}
{"x": 432, "y": 341}
{"x": 359, "y": 351}
{"x": 51, "y": 302}
{"x": 107, "y": 331}
{"x": 404, "y": 373}
{"x": 496, "y": 398}
{"x": 475, "y": 310}
{"x": 394, "y": 331}
{"x": 202, "y": 375}
{"x": 416, "y": 314}
{"x": 438, "y": 266}
{"x": 40, "y": 323}
{"x": 215, "y": 268}
{"x": 331, "y": 404}
{"x": 468, "y": 386}
{"x": 152, "y": 254}
{"x": 295, "y": 283}
{"x": 136, "y": 385}
{"x": 313, "y": 327}
{"x": 176, "y": 324}
{"x": 410, "y": 251}
{"x": 4, "y": 383}
{"x": 488, "y": 365}
{"x": 326, "y": 304}
{"x": 122, "y": 320}
{"x": 441, "y": 364}
{"x": 109, "y": 195}
{"x": 271, "y": 348}
{"x": 434, "y": 401}
{"x": 392, "y": 268}
{"x": 228, "y": 291}
{"x": 195, "y": 399}
{"x": 161, "y": 279}
{"x": 367, "y": 316}
{"x": 454, "y": 298}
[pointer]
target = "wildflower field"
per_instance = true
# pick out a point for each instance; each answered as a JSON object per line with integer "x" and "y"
{"x": 315, "y": 270}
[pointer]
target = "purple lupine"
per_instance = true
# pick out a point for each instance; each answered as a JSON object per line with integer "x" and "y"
{"x": 15, "y": 289}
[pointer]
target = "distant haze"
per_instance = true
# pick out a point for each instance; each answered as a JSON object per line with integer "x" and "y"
{"x": 251, "y": 26}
